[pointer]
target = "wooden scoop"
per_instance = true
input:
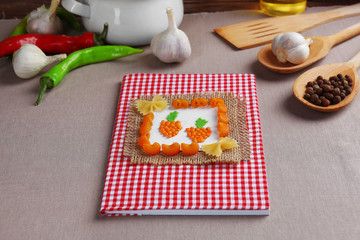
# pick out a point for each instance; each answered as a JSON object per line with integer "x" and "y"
{"x": 257, "y": 32}
{"x": 326, "y": 71}
{"x": 318, "y": 50}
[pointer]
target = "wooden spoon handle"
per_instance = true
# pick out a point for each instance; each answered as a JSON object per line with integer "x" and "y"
{"x": 344, "y": 34}
{"x": 339, "y": 13}
{"x": 356, "y": 60}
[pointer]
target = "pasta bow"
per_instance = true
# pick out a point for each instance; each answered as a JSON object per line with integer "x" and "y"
{"x": 156, "y": 104}
{"x": 216, "y": 149}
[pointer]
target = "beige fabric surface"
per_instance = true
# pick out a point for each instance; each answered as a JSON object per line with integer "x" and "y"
{"x": 53, "y": 157}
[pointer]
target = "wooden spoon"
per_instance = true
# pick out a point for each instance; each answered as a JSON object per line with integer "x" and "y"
{"x": 318, "y": 49}
{"x": 326, "y": 71}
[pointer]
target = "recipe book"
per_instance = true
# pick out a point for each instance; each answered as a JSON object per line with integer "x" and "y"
{"x": 212, "y": 189}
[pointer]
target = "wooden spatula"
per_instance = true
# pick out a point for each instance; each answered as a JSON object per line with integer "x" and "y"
{"x": 254, "y": 33}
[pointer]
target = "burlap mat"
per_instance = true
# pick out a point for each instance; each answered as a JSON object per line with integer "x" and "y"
{"x": 238, "y": 131}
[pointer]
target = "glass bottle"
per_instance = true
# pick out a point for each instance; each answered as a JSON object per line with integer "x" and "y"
{"x": 282, "y": 7}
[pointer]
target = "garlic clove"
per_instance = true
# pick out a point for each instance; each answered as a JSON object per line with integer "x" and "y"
{"x": 45, "y": 25}
{"x": 308, "y": 41}
{"x": 281, "y": 54}
{"x": 292, "y": 47}
{"x": 275, "y": 43}
{"x": 291, "y": 39}
{"x": 44, "y": 21}
{"x": 172, "y": 45}
{"x": 172, "y": 49}
{"x": 29, "y": 60}
{"x": 298, "y": 54}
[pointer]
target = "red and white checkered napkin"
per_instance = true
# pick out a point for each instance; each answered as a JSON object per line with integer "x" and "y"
{"x": 186, "y": 189}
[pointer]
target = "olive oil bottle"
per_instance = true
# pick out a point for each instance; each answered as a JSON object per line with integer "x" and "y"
{"x": 282, "y": 7}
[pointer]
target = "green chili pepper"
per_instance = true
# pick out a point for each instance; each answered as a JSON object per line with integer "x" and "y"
{"x": 20, "y": 28}
{"x": 68, "y": 17}
{"x": 80, "y": 58}
{"x": 62, "y": 13}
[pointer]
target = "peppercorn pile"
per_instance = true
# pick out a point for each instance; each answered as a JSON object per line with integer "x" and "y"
{"x": 325, "y": 92}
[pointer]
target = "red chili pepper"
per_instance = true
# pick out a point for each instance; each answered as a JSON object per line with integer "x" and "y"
{"x": 53, "y": 44}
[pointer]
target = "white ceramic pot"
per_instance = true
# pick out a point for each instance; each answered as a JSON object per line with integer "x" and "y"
{"x": 131, "y": 22}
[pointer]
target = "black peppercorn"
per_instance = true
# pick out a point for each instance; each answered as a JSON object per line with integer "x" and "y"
{"x": 326, "y": 88}
{"x": 327, "y": 82}
{"x": 325, "y": 102}
{"x": 309, "y": 84}
{"x": 348, "y": 90}
{"x": 324, "y": 92}
{"x": 310, "y": 90}
{"x": 336, "y": 99}
{"x": 336, "y": 91}
{"x": 342, "y": 95}
{"x": 319, "y": 91}
{"x": 307, "y": 96}
{"x": 328, "y": 95}
{"x": 333, "y": 78}
{"x": 320, "y": 81}
{"x": 314, "y": 98}
{"x": 318, "y": 102}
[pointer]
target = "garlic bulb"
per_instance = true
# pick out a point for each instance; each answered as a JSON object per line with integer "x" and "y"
{"x": 292, "y": 47}
{"x": 44, "y": 21}
{"x": 29, "y": 60}
{"x": 172, "y": 45}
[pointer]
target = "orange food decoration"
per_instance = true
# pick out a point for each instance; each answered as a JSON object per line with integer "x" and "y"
{"x": 180, "y": 103}
{"x": 171, "y": 150}
{"x": 145, "y": 127}
{"x": 148, "y": 117}
{"x": 190, "y": 149}
{"x": 222, "y": 108}
{"x": 198, "y": 102}
{"x": 222, "y": 117}
{"x": 144, "y": 138}
{"x": 213, "y": 102}
{"x": 198, "y": 135}
{"x": 151, "y": 149}
{"x": 223, "y": 129}
{"x": 170, "y": 129}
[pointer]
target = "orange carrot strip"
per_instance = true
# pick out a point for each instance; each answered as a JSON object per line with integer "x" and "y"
{"x": 171, "y": 150}
{"x": 223, "y": 129}
{"x": 222, "y": 108}
{"x": 151, "y": 149}
{"x": 213, "y": 102}
{"x": 190, "y": 149}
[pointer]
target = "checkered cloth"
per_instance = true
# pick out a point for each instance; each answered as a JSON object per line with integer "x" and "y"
{"x": 186, "y": 189}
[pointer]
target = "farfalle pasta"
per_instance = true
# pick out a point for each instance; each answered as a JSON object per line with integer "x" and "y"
{"x": 156, "y": 104}
{"x": 216, "y": 149}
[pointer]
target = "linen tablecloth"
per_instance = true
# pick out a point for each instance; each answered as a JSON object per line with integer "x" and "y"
{"x": 53, "y": 156}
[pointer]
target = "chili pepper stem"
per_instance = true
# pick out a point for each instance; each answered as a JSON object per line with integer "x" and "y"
{"x": 99, "y": 38}
{"x": 43, "y": 89}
